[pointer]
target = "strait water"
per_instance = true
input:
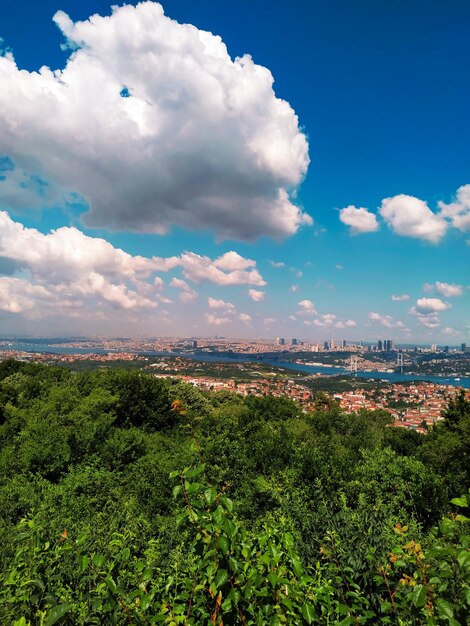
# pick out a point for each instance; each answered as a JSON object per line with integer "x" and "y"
{"x": 462, "y": 381}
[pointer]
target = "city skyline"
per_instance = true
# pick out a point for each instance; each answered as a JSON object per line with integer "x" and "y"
{"x": 155, "y": 181}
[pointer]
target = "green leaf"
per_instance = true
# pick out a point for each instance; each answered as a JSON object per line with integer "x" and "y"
{"x": 221, "y": 578}
{"x": 235, "y": 596}
{"x": 110, "y": 584}
{"x": 57, "y": 613}
{"x": 385, "y": 607}
{"x": 444, "y": 609}
{"x": 98, "y": 560}
{"x": 230, "y": 528}
{"x": 147, "y": 574}
{"x": 84, "y": 560}
{"x": 169, "y": 583}
{"x": 461, "y": 502}
{"x": 179, "y": 519}
{"x": 228, "y": 504}
{"x": 464, "y": 559}
{"x": 308, "y": 612}
{"x": 418, "y": 597}
{"x": 192, "y": 473}
{"x": 297, "y": 567}
{"x": 223, "y": 544}
{"x": 145, "y": 601}
{"x": 176, "y": 491}
{"x": 210, "y": 495}
{"x": 193, "y": 487}
{"x": 174, "y": 474}
{"x": 218, "y": 515}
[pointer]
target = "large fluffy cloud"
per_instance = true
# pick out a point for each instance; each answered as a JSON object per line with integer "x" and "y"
{"x": 67, "y": 266}
{"x": 359, "y": 220}
{"x": 411, "y": 217}
{"x": 154, "y": 124}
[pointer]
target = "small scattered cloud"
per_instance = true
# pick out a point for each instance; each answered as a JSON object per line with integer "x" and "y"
{"x": 187, "y": 294}
{"x": 228, "y": 269}
{"x": 220, "y": 305}
{"x": 215, "y": 320}
{"x": 449, "y": 331}
{"x": 244, "y": 317}
{"x": 400, "y": 298}
{"x": 307, "y": 307}
{"x": 267, "y": 321}
{"x": 277, "y": 264}
{"x": 444, "y": 289}
{"x": 359, "y": 220}
{"x": 387, "y": 321}
{"x": 256, "y": 295}
{"x": 426, "y": 311}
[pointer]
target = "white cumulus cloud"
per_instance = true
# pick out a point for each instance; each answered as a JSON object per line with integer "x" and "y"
{"x": 444, "y": 289}
{"x": 256, "y": 295}
{"x": 201, "y": 268}
{"x": 459, "y": 211}
{"x": 220, "y": 305}
{"x": 244, "y": 317}
{"x": 68, "y": 264}
{"x": 359, "y": 220}
{"x": 307, "y": 306}
{"x": 215, "y": 320}
{"x": 411, "y": 217}
{"x": 153, "y": 124}
{"x": 387, "y": 321}
{"x": 427, "y": 311}
{"x": 430, "y": 305}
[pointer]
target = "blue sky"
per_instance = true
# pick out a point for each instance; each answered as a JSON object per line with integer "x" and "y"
{"x": 381, "y": 96}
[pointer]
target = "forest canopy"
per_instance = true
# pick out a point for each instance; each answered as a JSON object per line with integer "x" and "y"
{"x": 128, "y": 499}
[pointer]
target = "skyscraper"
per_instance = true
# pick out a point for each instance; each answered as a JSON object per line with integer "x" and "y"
{"x": 379, "y": 345}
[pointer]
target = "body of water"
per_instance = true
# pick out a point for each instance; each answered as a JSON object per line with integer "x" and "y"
{"x": 463, "y": 381}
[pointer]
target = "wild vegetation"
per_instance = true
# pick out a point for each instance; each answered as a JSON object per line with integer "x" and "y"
{"x": 125, "y": 499}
